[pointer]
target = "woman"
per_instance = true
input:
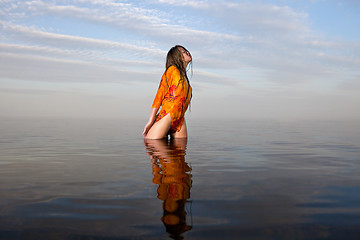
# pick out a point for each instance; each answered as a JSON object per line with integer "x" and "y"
{"x": 173, "y": 96}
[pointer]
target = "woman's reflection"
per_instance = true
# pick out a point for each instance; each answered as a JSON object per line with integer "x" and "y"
{"x": 173, "y": 175}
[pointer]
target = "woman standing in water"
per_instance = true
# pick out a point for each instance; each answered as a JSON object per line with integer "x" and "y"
{"x": 173, "y": 96}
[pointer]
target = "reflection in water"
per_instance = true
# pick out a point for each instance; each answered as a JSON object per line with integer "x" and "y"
{"x": 173, "y": 175}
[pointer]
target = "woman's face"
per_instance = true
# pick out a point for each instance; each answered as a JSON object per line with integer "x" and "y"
{"x": 186, "y": 56}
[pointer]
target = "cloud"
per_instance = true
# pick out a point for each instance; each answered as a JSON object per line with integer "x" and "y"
{"x": 184, "y": 3}
{"x": 38, "y": 68}
{"x": 277, "y": 40}
{"x": 34, "y": 36}
{"x": 251, "y": 51}
{"x": 223, "y": 36}
{"x": 74, "y": 54}
{"x": 134, "y": 20}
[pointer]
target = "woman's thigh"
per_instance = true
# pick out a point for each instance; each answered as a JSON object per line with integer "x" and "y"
{"x": 160, "y": 129}
{"x": 182, "y": 133}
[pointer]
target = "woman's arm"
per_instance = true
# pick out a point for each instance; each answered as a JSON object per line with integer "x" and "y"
{"x": 151, "y": 120}
{"x": 157, "y": 103}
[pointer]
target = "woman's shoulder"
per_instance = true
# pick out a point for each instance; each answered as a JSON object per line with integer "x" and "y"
{"x": 173, "y": 71}
{"x": 172, "y": 68}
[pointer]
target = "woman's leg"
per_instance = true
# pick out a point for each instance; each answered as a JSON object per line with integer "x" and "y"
{"x": 182, "y": 133}
{"x": 160, "y": 129}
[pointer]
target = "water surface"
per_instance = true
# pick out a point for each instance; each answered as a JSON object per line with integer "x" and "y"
{"x": 98, "y": 179}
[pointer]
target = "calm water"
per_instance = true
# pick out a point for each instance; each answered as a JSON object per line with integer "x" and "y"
{"x": 98, "y": 179}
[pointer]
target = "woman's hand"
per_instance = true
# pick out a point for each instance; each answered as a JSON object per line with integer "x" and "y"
{"x": 151, "y": 121}
{"x": 147, "y": 128}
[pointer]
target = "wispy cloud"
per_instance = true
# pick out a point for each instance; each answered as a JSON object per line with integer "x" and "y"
{"x": 235, "y": 44}
{"x": 276, "y": 40}
{"x": 34, "y": 36}
{"x": 39, "y": 68}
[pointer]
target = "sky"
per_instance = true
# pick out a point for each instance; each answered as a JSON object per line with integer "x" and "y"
{"x": 281, "y": 60}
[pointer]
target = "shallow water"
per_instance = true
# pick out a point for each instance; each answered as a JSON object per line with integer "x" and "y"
{"x": 98, "y": 179}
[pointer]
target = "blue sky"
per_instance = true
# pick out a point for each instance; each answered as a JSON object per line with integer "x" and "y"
{"x": 251, "y": 59}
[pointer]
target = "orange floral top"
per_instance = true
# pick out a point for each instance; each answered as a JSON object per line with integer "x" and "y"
{"x": 173, "y": 96}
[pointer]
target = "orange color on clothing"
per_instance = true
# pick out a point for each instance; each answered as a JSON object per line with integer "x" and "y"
{"x": 173, "y": 175}
{"x": 173, "y": 96}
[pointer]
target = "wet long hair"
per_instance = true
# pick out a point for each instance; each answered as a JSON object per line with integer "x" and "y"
{"x": 175, "y": 58}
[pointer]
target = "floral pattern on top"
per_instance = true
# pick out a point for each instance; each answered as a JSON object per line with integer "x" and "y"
{"x": 173, "y": 96}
